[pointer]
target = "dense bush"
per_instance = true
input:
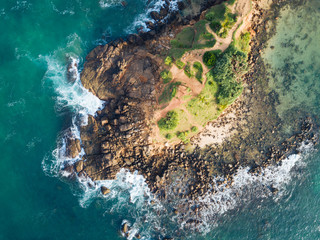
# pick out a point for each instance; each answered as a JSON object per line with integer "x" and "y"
{"x": 209, "y": 58}
{"x": 168, "y": 61}
{"x": 188, "y": 71}
{"x": 227, "y": 72}
{"x": 215, "y": 26}
{"x": 169, "y": 122}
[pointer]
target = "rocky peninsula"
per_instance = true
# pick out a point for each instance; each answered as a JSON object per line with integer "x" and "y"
{"x": 149, "y": 75}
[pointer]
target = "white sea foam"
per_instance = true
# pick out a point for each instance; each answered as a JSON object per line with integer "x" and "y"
{"x": 247, "y": 186}
{"x": 140, "y": 21}
{"x": 130, "y": 192}
{"x": 72, "y": 95}
{"x": 109, "y": 3}
{"x": 21, "y": 5}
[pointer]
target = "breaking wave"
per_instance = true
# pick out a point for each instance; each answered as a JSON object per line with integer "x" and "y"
{"x": 140, "y": 22}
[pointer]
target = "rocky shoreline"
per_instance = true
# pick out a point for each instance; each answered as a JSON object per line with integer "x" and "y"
{"x": 126, "y": 74}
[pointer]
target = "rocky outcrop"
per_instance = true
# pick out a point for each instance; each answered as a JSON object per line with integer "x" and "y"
{"x": 126, "y": 74}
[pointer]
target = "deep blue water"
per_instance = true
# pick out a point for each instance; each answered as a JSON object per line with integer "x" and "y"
{"x": 38, "y": 104}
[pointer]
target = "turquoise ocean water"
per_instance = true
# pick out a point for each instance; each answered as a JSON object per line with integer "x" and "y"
{"x": 37, "y": 40}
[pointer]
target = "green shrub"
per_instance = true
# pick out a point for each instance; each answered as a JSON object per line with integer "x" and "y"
{"x": 183, "y": 136}
{"x": 166, "y": 76}
{"x": 169, "y": 136}
{"x": 199, "y": 70}
{"x": 168, "y": 61}
{"x": 209, "y": 58}
{"x": 188, "y": 71}
{"x": 227, "y": 72}
{"x": 180, "y": 64}
{"x": 215, "y": 26}
{"x": 194, "y": 129}
{"x": 169, "y": 122}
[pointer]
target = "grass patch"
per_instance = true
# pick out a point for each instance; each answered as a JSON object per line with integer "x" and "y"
{"x": 197, "y": 66}
{"x": 170, "y": 121}
{"x": 204, "y": 107}
{"x": 202, "y": 39}
{"x": 169, "y": 92}
{"x": 166, "y": 75}
{"x": 184, "y": 39}
{"x": 196, "y": 37}
{"x": 180, "y": 64}
{"x": 177, "y": 53}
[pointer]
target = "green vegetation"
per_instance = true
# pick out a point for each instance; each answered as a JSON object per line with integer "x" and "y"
{"x": 188, "y": 71}
{"x": 180, "y": 64}
{"x": 183, "y": 135}
{"x": 170, "y": 121}
{"x": 197, "y": 66}
{"x": 194, "y": 129}
{"x": 210, "y": 57}
{"x": 169, "y": 92}
{"x": 168, "y": 61}
{"x": 222, "y": 87}
{"x": 227, "y": 72}
{"x": 169, "y": 136}
{"x": 166, "y": 75}
{"x": 221, "y": 19}
{"x": 184, "y": 39}
{"x": 202, "y": 39}
{"x": 204, "y": 106}
{"x": 243, "y": 42}
{"x": 231, "y": 2}
{"x": 223, "y": 81}
{"x": 196, "y": 37}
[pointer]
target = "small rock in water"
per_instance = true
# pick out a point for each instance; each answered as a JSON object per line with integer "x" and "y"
{"x": 105, "y": 190}
{"x": 125, "y": 228}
